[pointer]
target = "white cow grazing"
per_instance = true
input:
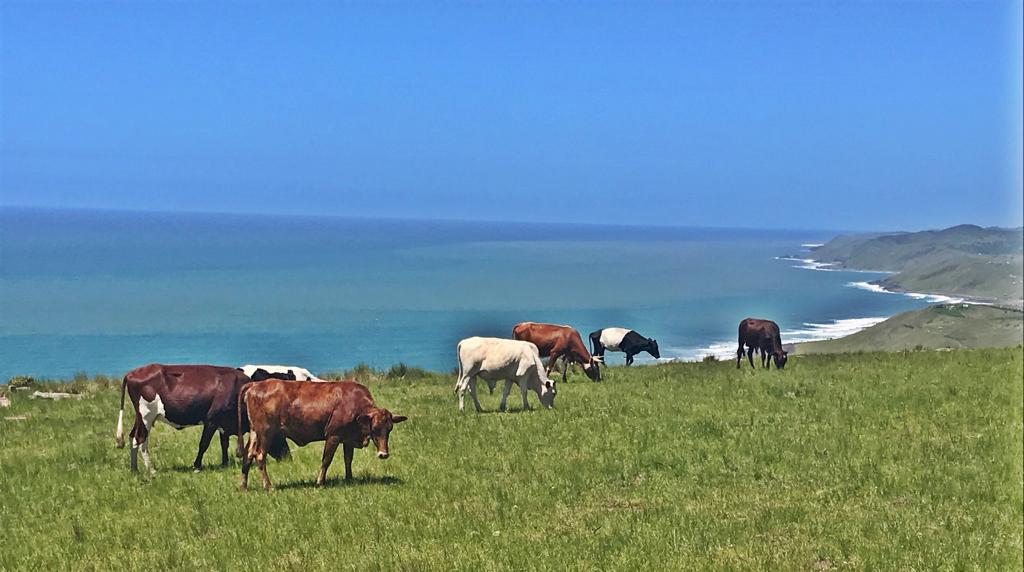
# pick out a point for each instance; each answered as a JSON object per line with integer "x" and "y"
{"x": 289, "y": 372}
{"x": 496, "y": 359}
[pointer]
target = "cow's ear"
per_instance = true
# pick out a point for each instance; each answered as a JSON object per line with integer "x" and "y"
{"x": 398, "y": 418}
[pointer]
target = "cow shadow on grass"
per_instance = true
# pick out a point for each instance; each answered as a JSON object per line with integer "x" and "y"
{"x": 341, "y": 482}
{"x": 500, "y": 412}
{"x": 233, "y": 466}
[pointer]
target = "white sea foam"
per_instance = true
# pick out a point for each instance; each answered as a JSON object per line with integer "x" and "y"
{"x": 812, "y": 264}
{"x": 812, "y": 245}
{"x": 930, "y": 298}
{"x": 810, "y": 332}
{"x": 809, "y": 264}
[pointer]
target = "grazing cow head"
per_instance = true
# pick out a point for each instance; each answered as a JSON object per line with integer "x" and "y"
{"x": 593, "y": 369}
{"x": 548, "y": 391}
{"x": 780, "y": 359}
{"x": 377, "y": 425}
{"x": 652, "y": 348}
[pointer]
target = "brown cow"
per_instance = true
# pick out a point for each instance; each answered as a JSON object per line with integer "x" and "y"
{"x": 555, "y": 342}
{"x": 340, "y": 412}
{"x": 181, "y": 395}
{"x": 763, "y": 336}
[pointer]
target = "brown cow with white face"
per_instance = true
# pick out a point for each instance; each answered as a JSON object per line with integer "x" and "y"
{"x": 338, "y": 413}
{"x": 556, "y": 342}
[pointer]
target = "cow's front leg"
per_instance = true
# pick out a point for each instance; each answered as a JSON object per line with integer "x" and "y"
{"x": 750, "y": 356}
{"x": 524, "y": 391}
{"x": 552, "y": 363}
{"x": 330, "y": 446}
{"x": 472, "y": 393}
{"x": 204, "y": 444}
{"x": 629, "y": 359}
{"x": 504, "y": 394}
{"x": 349, "y": 450}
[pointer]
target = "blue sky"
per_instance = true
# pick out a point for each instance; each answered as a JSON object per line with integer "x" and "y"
{"x": 872, "y": 115}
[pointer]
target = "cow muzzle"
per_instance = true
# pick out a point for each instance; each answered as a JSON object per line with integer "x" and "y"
{"x": 382, "y": 455}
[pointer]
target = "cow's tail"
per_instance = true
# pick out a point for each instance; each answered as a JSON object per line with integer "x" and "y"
{"x": 458, "y": 358}
{"x": 243, "y": 421}
{"x": 119, "y": 432}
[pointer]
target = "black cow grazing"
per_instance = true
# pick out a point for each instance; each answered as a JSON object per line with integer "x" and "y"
{"x": 762, "y": 336}
{"x": 623, "y": 340}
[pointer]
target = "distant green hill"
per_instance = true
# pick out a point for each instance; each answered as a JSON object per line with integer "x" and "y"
{"x": 935, "y": 327}
{"x": 963, "y": 260}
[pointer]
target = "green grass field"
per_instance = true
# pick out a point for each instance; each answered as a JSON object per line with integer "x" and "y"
{"x": 901, "y": 461}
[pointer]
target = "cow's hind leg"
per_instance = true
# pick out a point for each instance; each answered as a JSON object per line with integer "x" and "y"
{"x": 140, "y": 444}
{"x": 629, "y": 359}
{"x": 739, "y": 356}
{"x": 750, "y": 356}
{"x": 136, "y": 437}
{"x": 144, "y": 449}
{"x": 466, "y": 383}
{"x": 247, "y": 458}
{"x": 330, "y": 446}
{"x": 261, "y": 464}
{"x": 204, "y": 444}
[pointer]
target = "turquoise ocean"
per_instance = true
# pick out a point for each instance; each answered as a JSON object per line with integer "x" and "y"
{"x": 102, "y": 292}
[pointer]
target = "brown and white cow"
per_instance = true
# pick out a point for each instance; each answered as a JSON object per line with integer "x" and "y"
{"x": 556, "y": 342}
{"x": 339, "y": 413}
{"x": 181, "y": 395}
{"x": 764, "y": 337}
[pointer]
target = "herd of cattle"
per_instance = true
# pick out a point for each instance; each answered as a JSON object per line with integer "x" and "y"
{"x": 274, "y": 404}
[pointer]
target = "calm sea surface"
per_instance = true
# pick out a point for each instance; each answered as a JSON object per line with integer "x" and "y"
{"x": 103, "y": 292}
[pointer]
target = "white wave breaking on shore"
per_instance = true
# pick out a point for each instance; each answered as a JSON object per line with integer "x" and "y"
{"x": 809, "y": 264}
{"x": 930, "y": 298}
{"x": 812, "y": 264}
{"x": 813, "y": 244}
{"x": 810, "y": 332}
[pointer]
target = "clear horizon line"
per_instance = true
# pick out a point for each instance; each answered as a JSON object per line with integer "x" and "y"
{"x": 447, "y": 220}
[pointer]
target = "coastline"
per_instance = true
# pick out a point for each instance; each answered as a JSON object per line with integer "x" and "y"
{"x": 838, "y": 328}
{"x": 809, "y": 332}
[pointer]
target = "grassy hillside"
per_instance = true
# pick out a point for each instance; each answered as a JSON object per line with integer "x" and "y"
{"x": 878, "y": 461}
{"x": 963, "y": 260}
{"x": 942, "y": 326}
